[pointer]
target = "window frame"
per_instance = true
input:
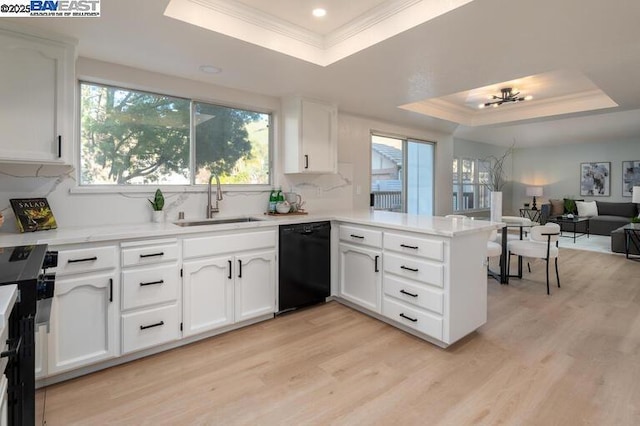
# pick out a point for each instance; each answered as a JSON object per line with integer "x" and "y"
{"x": 192, "y": 187}
{"x": 458, "y": 181}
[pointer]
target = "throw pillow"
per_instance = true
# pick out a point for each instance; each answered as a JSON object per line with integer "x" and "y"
{"x": 587, "y": 208}
{"x": 557, "y": 207}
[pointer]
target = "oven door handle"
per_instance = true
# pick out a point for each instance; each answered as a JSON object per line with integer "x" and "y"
{"x": 12, "y": 352}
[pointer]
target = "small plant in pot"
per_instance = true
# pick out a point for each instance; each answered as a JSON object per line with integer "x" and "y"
{"x": 157, "y": 204}
{"x": 635, "y": 219}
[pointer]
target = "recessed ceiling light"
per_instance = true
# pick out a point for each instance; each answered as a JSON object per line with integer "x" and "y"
{"x": 319, "y": 12}
{"x": 210, "y": 69}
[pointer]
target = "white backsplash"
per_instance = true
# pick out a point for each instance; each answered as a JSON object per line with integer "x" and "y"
{"x": 321, "y": 193}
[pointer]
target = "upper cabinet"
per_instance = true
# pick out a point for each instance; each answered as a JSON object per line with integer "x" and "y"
{"x": 36, "y": 99}
{"x": 310, "y": 136}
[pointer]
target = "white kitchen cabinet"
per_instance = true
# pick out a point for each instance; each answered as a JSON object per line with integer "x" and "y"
{"x": 36, "y": 99}
{"x": 255, "y": 285}
{"x": 84, "y": 321}
{"x": 151, "y": 303}
{"x": 231, "y": 278}
{"x": 360, "y": 275}
{"x": 310, "y": 136}
{"x": 208, "y": 289}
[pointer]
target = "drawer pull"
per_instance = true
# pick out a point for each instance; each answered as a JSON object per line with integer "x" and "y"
{"x": 409, "y": 269}
{"x": 230, "y": 266}
{"x": 158, "y": 324}
{"x": 152, "y": 283}
{"x": 409, "y": 247}
{"x": 152, "y": 255}
{"x": 409, "y": 318}
{"x": 403, "y": 291}
{"x": 86, "y": 259}
{"x": 376, "y": 264}
{"x": 360, "y": 237}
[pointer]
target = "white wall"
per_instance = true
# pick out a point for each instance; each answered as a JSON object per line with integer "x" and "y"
{"x": 557, "y": 169}
{"x": 323, "y": 193}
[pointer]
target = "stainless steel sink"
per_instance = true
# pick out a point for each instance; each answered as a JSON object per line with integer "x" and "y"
{"x": 217, "y": 221}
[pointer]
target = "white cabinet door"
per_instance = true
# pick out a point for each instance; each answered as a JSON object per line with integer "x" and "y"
{"x": 36, "y": 92}
{"x": 207, "y": 294}
{"x": 310, "y": 136}
{"x": 361, "y": 276}
{"x": 255, "y": 289}
{"x": 84, "y": 322}
{"x": 318, "y": 140}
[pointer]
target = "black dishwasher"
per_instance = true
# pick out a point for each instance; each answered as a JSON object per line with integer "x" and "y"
{"x": 305, "y": 265}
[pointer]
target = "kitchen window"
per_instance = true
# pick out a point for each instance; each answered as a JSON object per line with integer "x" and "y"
{"x": 131, "y": 137}
{"x": 470, "y": 177}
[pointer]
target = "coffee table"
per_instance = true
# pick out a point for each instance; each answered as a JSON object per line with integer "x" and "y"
{"x": 572, "y": 221}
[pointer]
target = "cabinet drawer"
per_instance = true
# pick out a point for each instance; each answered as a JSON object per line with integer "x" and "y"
{"x": 415, "y": 246}
{"x": 151, "y": 327}
{"x": 362, "y": 236}
{"x": 415, "y": 269}
{"x": 86, "y": 260}
{"x": 220, "y": 244}
{"x": 419, "y": 295}
{"x": 148, "y": 286}
{"x": 148, "y": 254}
{"x": 411, "y": 317}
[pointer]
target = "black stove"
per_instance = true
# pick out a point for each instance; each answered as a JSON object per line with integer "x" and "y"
{"x": 25, "y": 266}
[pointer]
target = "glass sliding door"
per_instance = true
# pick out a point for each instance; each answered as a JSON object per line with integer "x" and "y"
{"x": 402, "y": 174}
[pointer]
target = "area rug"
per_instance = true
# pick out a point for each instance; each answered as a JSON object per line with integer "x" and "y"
{"x": 597, "y": 243}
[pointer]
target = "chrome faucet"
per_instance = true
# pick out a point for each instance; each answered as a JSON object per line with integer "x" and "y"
{"x": 210, "y": 209}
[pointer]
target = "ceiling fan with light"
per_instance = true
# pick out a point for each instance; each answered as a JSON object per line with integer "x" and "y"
{"x": 507, "y": 96}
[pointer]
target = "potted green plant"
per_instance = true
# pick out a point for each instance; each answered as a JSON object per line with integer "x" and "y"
{"x": 157, "y": 204}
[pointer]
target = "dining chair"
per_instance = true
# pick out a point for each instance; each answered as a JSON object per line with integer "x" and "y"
{"x": 541, "y": 244}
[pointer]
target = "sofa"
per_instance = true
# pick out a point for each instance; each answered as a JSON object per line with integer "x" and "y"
{"x": 610, "y": 217}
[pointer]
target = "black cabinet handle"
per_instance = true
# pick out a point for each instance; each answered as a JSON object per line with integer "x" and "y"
{"x": 86, "y": 259}
{"x": 403, "y": 291}
{"x": 306, "y": 161}
{"x": 239, "y": 268}
{"x": 409, "y": 318}
{"x": 59, "y": 146}
{"x": 409, "y": 247}
{"x": 409, "y": 269}
{"x": 12, "y": 352}
{"x": 230, "y": 266}
{"x": 152, "y": 255}
{"x": 152, "y": 283}
{"x": 376, "y": 261}
{"x": 360, "y": 237}
{"x": 110, "y": 289}
{"x": 158, "y": 324}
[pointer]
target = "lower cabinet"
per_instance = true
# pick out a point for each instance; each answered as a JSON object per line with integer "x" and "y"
{"x": 208, "y": 294}
{"x": 150, "y": 327}
{"x": 41, "y": 351}
{"x": 219, "y": 291}
{"x": 360, "y": 276}
{"x": 84, "y": 322}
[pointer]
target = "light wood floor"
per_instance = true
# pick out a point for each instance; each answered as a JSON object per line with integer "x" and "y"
{"x": 571, "y": 358}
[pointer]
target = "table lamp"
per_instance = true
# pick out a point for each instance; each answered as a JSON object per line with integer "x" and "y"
{"x": 635, "y": 198}
{"x": 534, "y": 191}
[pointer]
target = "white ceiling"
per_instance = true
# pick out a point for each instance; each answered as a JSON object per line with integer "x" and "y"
{"x": 483, "y": 43}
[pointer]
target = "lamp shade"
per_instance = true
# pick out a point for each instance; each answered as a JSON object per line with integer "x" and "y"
{"x": 534, "y": 191}
{"x": 636, "y": 195}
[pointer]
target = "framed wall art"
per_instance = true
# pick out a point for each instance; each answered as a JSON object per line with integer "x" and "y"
{"x": 630, "y": 177}
{"x": 595, "y": 179}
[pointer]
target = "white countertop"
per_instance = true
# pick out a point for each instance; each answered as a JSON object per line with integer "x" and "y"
{"x": 433, "y": 225}
{"x": 8, "y": 295}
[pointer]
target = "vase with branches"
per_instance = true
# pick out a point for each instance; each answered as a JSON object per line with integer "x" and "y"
{"x": 496, "y": 180}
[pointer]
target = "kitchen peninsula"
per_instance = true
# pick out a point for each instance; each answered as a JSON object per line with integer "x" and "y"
{"x": 425, "y": 275}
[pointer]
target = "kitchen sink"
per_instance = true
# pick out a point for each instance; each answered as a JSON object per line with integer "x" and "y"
{"x": 216, "y": 221}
